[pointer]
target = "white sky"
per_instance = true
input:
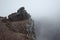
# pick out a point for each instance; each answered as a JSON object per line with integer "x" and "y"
{"x": 34, "y": 7}
{"x": 37, "y": 8}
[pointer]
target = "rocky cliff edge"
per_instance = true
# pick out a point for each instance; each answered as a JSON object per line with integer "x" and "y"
{"x": 18, "y": 26}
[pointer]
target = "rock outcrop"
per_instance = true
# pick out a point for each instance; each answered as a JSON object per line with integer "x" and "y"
{"x": 21, "y": 14}
{"x": 18, "y": 26}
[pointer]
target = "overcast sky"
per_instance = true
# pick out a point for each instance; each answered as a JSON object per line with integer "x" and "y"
{"x": 34, "y": 7}
{"x": 49, "y": 10}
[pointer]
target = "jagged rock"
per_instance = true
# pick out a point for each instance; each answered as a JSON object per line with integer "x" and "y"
{"x": 6, "y": 34}
{"x": 25, "y": 27}
{"x": 20, "y": 10}
{"x": 21, "y": 14}
{"x": 16, "y": 30}
{"x": 13, "y": 17}
{"x": 18, "y": 26}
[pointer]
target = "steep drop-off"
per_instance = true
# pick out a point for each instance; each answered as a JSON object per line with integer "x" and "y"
{"x": 18, "y": 26}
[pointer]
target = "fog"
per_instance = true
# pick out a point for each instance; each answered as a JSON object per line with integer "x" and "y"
{"x": 47, "y": 29}
{"x": 45, "y": 13}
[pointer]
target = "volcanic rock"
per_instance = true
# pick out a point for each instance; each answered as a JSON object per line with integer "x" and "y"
{"x": 18, "y": 26}
{"x": 21, "y": 14}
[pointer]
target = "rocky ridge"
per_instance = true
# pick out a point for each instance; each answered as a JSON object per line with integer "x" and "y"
{"x": 18, "y": 26}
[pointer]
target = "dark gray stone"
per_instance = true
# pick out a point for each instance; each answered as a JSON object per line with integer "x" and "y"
{"x": 20, "y": 9}
{"x": 21, "y": 14}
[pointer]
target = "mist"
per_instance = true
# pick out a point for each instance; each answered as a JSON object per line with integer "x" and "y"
{"x": 45, "y": 13}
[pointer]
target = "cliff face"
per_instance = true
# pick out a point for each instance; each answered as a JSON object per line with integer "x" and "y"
{"x": 18, "y": 26}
